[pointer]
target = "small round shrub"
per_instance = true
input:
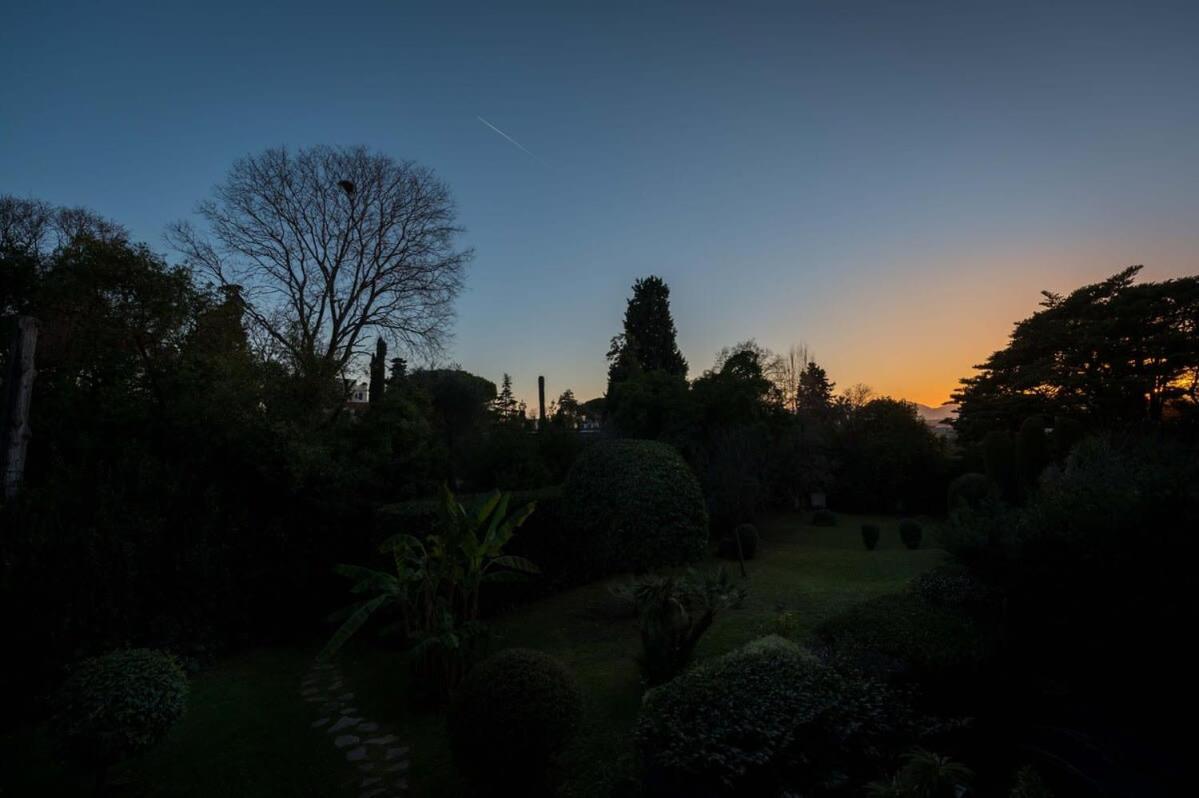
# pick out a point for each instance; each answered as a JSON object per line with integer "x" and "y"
{"x": 116, "y": 706}
{"x": 748, "y": 535}
{"x": 870, "y": 536}
{"x": 824, "y": 517}
{"x": 910, "y": 533}
{"x": 634, "y": 506}
{"x": 765, "y": 717}
{"x": 512, "y": 714}
{"x": 973, "y": 491}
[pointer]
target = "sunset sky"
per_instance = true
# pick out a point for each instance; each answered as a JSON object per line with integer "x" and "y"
{"x": 891, "y": 183}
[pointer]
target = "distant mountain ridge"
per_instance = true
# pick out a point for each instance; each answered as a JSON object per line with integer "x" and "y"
{"x": 933, "y": 416}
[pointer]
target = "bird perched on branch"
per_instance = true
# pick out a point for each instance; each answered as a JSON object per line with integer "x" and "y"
{"x": 347, "y": 187}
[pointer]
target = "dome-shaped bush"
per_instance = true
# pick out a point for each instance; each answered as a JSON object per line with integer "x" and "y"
{"x": 972, "y": 490}
{"x": 118, "y": 705}
{"x": 511, "y": 715}
{"x": 634, "y": 506}
{"x": 910, "y": 532}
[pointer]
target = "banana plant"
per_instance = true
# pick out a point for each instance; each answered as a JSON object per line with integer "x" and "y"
{"x": 437, "y": 579}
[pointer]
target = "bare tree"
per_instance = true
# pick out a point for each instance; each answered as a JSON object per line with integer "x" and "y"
{"x": 35, "y": 228}
{"x": 329, "y": 246}
{"x": 784, "y": 371}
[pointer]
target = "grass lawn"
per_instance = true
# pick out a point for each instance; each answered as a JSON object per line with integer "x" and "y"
{"x": 247, "y": 733}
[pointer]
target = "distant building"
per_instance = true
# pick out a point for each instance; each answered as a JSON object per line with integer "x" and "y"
{"x": 359, "y": 395}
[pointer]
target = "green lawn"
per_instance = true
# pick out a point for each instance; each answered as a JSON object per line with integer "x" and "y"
{"x": 247, "y": 733}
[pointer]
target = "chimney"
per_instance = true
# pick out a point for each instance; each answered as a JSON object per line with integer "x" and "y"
{"x": 541, "y": 403}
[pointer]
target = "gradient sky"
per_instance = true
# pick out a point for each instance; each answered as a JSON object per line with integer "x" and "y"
{"x": 891, "y": 183}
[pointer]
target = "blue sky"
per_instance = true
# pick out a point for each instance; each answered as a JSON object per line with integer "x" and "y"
{"x": 891, "y": 183}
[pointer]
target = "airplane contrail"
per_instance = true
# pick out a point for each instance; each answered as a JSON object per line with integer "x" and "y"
{"x": 516, "y": 143}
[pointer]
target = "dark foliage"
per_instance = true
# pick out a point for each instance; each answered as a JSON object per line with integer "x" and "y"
{"x": 633, "y": 506}
{"x": 117, "y": 706}
{"x": 905, "y": 638}
{"x": 972, "y": 491}
{"x": 1111, "y": 354}
{"x": 889, "y": 460}
{"x": 911, "y": 533}
{"x": 824, "y": 517}
{"x": 765, "y": 717}
{"x": 514, "y": 712}
{"x": 869, "y": 536}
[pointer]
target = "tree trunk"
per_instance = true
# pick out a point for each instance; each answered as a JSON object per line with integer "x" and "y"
{"x": 18, "y": 393}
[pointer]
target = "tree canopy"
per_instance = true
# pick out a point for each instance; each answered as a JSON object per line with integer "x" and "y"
{"x": 1108, "y": 354}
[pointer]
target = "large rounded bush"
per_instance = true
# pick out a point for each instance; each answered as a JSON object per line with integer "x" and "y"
{"x": 973, "y": 491}
{"x": 116, "y": 706}
{"x": 511, "y": 715}
{"x": 634, "y": 506}
{"x": 765, "y": 717}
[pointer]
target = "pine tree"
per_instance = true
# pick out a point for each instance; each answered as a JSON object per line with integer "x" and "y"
{"x": 506, "y": 407}
{"x": 815, "y": 390}
{"x": 648, "y": 342}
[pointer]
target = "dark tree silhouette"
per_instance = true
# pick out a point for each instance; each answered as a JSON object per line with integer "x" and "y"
{"x": 648, "y": 342}
{"x": 331, "y": 244}
{"x": 1108, "y": 355}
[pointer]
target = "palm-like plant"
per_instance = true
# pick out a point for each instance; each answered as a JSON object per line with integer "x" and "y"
{"x": 925, "y": 774}
{"x": 674, "y": 614}
{"x": 438, "y": 579}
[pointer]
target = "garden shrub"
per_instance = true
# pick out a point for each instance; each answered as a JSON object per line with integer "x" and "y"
{"x": 116, "y": 706}
{"x": 971, "y": 490}
{"x": 870, "y": 536}
{"x": 542, "y": 538}
{"x": 747, "y": 534}
{"x": 512, "y": 714}
{"x": 823, "y": 517}
{"x": 910, "y": 532}
{"x": 901, "y": 636}
{"x": 634, "y": 505}
{"x": 950, "y": 585}
{"x": 766, "y": 716}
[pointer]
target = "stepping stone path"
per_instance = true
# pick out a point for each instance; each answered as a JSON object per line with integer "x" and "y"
{"x": 368, "y": 746}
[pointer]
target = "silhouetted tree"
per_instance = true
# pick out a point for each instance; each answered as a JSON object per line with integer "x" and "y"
{"x": 378, "y": 372}
{"x": 320, "y": 266}
{"x": 648, "y": 339}
{"x": 505, "y": 406}
{"x": 1108, "y": 354}
{"x": 815, "y": 390}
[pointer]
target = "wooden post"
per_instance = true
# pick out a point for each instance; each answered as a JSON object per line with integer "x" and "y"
{"x": 18, "y": 393}
{"x": 540, "y": 404}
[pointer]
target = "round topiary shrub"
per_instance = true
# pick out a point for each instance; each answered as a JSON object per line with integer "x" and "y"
{"x": 116, "y": 706}
{"x": 972, "y": 491}
{"x": 870, "y": 536}
{"x": 823, "y": 517}
{"x": 512, "y": 714}
{"x": 747, "y": 534}
{"x": 634, "y": 506}
{"x": 764, "y": 718}
{"x": 910, "y": 533}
